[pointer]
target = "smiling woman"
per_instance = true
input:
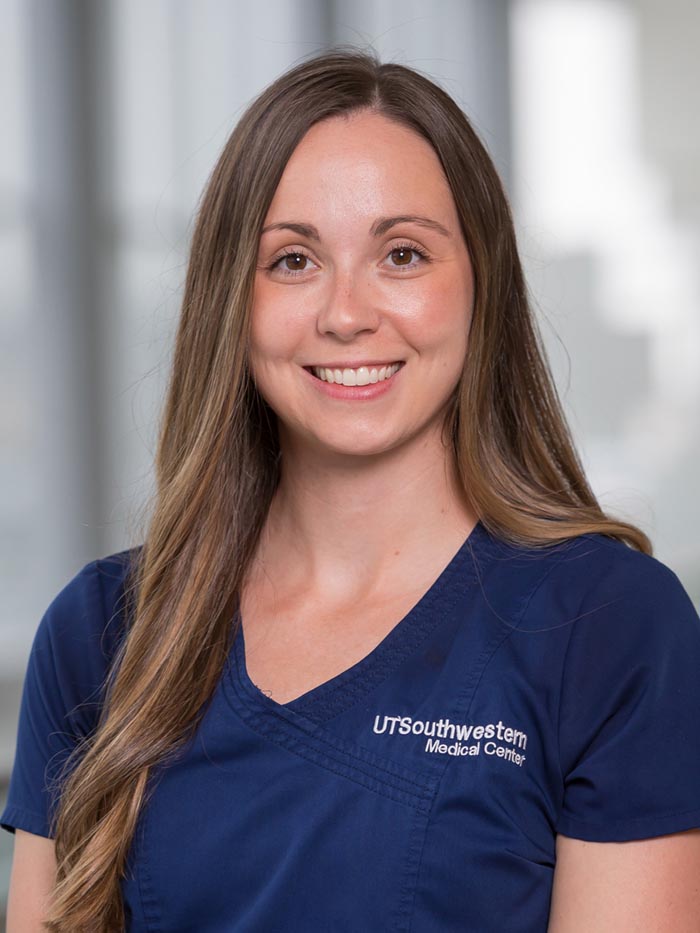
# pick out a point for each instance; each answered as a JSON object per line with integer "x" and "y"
{"x": 381, "y": 662}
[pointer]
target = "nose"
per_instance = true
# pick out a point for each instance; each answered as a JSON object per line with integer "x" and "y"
{"x": 348, "y": 307}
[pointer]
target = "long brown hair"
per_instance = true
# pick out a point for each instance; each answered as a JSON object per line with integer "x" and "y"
{"x": 217, "y": 461}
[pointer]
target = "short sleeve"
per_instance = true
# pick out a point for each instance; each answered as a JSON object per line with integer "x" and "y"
{"x": 629, "y": 719}
{"x": 60, "y": 704}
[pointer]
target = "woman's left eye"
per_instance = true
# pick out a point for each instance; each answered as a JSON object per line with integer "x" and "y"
{"x": 300, "y": 259}
{"x": 405, "y": 248}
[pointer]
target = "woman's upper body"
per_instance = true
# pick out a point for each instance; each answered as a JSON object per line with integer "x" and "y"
{"x": 417, "y": 726}
{"x": 527, "y": 701}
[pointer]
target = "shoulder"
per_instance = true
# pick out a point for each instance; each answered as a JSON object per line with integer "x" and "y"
{"x": 629, "y": 625}
{"x": 596, "y": 576}
{"x": 614, "y": 566}
{"x": 83, "y": 624}
{"x": 637, "y": 587}
{"x": 94, "y": 594}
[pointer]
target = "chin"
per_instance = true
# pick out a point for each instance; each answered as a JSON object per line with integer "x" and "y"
{"x": 344, "y": 446}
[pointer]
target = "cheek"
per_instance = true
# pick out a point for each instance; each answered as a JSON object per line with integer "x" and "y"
{"x": 278, "y": 315}
{"x": 272, "y": 330}
{"x": 440, "y": 316}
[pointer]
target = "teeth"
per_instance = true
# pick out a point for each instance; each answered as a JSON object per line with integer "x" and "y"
{"x": 356, "y": 377}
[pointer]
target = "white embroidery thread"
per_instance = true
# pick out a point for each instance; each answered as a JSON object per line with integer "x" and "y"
{"x": 497, "y": 737}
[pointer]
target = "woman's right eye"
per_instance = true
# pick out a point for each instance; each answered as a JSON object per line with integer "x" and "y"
{"x": 294, "y": 262}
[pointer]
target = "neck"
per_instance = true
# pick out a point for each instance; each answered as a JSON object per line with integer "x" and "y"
{"x": 346, "y": 525}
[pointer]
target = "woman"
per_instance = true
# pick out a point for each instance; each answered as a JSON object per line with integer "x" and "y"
{"x": 382, "y": 662}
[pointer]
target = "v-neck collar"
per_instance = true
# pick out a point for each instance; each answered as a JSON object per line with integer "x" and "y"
{"x": 334, "y": 696}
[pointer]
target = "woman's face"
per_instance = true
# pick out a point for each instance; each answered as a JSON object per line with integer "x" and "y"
{"x": 341, "y": 284}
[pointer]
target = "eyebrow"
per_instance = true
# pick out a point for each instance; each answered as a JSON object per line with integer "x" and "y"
{"x": 378, "y": 228}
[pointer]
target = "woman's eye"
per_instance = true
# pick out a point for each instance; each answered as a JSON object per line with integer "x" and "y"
{"x": 403, "y": 252}
{"x": 292, "y": 262}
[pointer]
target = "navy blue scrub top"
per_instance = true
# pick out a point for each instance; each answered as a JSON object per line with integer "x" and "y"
{"x": 527, "y": 693}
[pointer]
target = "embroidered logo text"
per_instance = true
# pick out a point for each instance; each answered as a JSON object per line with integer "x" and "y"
{"x": 456, "y": 738}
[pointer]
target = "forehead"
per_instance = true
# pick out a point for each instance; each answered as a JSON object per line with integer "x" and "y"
{"x": 363, "y": 163}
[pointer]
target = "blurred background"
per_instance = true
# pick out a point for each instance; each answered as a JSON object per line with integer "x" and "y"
{"x": 115, "y": 112}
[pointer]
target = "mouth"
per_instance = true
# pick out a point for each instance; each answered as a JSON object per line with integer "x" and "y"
{"x": 356, "y": 375}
